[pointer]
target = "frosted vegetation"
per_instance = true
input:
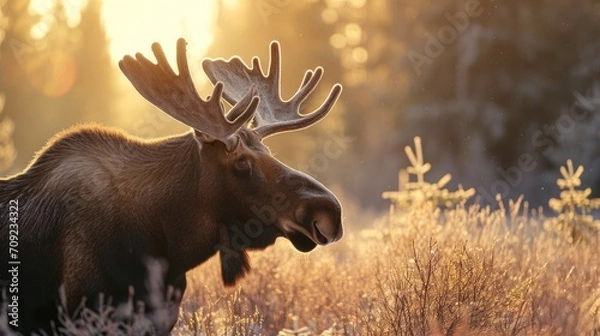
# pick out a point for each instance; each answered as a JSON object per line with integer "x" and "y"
{"x": 438, "y": 264}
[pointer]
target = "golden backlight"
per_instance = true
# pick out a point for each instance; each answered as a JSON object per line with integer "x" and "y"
{"x": 133, "y": 25}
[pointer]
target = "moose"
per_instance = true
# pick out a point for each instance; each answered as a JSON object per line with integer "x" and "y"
{"x": 96, "y": 206}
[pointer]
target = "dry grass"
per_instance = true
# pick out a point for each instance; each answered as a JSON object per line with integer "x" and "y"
{"x": 468, "y": 270}
{"x": 461, "y": 271}
{"x": 464, "y": 270}
{"x": 424, "y": 270}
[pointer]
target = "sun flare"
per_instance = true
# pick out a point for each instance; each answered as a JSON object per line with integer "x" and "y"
{"x": 133, "y": 25}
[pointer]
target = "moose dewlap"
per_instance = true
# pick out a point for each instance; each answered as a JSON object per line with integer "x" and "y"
{"x": 103, "y": 212}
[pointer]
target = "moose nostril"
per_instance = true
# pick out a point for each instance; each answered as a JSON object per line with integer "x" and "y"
{"x": 321, "y": 238}
{"x": 326, "y": 229}
{"x": 322, "y": 218}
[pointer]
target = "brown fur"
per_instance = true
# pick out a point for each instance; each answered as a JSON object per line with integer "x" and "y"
{"x": 96, "y": 204}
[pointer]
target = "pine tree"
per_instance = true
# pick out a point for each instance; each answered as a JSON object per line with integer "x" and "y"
{"x": 500, "y": 86}
{"x": 7, "y": 147}
{"x": 93, "y": 91}
{"x": 574, "y": 207}
{"x": 418, "y": 192}
{"x": 17, "y": 52}
{"x": 56, "y": 72}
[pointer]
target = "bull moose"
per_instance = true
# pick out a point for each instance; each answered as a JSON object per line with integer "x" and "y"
{"x": 95, "y": 205}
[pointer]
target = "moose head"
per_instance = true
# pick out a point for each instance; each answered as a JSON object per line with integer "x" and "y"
{"x": 255, "y": 197}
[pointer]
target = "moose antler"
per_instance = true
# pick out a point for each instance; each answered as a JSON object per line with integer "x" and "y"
{"x": 273, "y": 115}
{"x": 177, "y": 96}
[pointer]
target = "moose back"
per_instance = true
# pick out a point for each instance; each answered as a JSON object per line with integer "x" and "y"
{"x": 97, "y": 209}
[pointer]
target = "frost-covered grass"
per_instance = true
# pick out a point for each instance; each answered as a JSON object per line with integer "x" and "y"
{"x": 434, "y": 266}
{"x": 467, "y": 270}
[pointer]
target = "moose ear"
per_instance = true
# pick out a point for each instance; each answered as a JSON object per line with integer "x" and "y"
{"x": 231, "y": 142}
{"x": 234, "y": 263}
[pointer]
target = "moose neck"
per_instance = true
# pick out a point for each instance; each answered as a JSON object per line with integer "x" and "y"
{"x": 186, "y": 210}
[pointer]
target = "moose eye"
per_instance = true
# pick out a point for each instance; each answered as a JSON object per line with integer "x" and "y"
{"x": 242, "y": 165}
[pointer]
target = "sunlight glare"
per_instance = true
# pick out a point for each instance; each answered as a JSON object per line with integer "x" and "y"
{"x": 132, "y": 26}
{"x": 45, "y": 9}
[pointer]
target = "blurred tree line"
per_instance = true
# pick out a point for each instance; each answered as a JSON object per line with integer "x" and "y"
{"x": 502, "y": 92}
{"x": 55, "y": 72}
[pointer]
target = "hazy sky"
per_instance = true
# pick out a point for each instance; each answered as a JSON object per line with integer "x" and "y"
{"x": 133, "y": 25}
